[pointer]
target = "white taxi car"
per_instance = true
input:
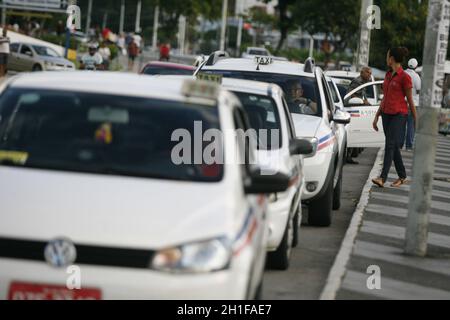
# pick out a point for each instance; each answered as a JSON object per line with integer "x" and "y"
{"x": 100, "y": 192}
{"x": 315, "y": 118}
{"x": 268, "y": 113}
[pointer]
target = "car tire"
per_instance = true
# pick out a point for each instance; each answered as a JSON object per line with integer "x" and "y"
{"x": 296, "y": 227}
{"x": 320, "y": 209}
{"x": 279, "y": 259}
{"x": 337, "y": 193}
{"x": 37, "y": 68}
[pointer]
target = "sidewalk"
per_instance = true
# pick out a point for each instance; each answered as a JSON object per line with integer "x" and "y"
{"x": 380, "y": 242}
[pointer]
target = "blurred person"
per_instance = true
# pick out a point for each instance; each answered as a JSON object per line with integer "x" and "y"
{"x": 138, "y": 40}
{"x": 121, "y": 44}
{"x": 408, "y": 136}
{"x": 164, "y": 52}
{"x": 4, "y": 52}
{"x": 91, "y": 60}
{"x": 133, "y": 52}
{"x": 60, "y": 28}
{"x": 105, "y": 52}
{"x": 394, "y": 110}
{"x": 298, "y": 100}
{"x": 365, "y": 76}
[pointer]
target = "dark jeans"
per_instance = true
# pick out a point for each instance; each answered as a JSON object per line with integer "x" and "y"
{"x": 408, "y": 136}
{"x": 393, "y": 128}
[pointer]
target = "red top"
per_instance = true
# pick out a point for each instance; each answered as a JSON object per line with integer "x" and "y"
{"x": 394, "y": 88}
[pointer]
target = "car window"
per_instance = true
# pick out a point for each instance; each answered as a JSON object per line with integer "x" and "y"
{"x": 328, "y": 98}
{"x": 345, "y": 83}
{"x": 262, "y": 113}
{"x": 159, "y": 70}
{"x": 258, "y": 52}
{"x": 301, "y": 92}
{"x": 14, "y": 47}
{"x": 107, "y": 134}
{"x": 334, "y": 94}
{"x": 45, "y": 51}
{"x": 25, "y": 49}
{"x": 290, "y": 124}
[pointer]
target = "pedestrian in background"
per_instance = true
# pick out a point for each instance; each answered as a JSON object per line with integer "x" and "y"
{"x": 164, "y": 52}
{"x": 4, "y": 52}
{"x": 408, "y": 136}
{"x": 394, "y": 112}
{"x": 133, "y": 52}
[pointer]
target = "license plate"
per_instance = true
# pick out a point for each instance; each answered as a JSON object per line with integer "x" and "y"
{"x": 30, "y": 291}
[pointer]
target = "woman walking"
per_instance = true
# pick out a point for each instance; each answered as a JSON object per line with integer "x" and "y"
{"x": 394, "y": 112}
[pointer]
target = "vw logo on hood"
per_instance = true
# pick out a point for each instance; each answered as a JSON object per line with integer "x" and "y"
{"x": 60, "y": 253}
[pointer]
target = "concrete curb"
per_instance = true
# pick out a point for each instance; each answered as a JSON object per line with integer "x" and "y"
{"x": 338, "y": 270}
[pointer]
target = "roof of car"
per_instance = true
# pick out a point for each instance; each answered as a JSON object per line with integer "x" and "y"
{"x": 342, "y": 73}
{"x": 103, "y": 83}
{"x": 170, "y": 65}
{"x": 242, "y": 64}
{"x": 255, "y": 87}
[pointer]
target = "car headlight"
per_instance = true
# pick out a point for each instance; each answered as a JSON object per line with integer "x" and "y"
{"x": 315, "y": 144}
{"x": 198, "y": 257}
{"x": 49, "y": 64}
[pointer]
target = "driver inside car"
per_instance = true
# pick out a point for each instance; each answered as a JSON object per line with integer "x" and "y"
{"x": 298, "y": 100}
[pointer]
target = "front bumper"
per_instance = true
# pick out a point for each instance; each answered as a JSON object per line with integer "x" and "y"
{"x": 316, "y": 170}
{"x": 128, "y": 283}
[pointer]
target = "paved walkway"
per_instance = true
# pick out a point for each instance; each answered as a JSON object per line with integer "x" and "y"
{"x": 380, "y": 241}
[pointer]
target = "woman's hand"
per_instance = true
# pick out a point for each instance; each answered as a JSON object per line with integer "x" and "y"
{"x": 375, "y": 123}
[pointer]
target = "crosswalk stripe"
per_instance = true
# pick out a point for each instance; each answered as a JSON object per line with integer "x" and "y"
{"x": 439, "y": 205}
{"x": 403, "y": 213}
{"x": 392, "y": 289}
{"x": 396, "y": 232}
{"x": 395, "y": 255}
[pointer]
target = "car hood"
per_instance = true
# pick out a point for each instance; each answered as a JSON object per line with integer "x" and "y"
{"x": 306, "y": 126}
{"x": 110, "y": 210}
{"x": 57, "y": 60}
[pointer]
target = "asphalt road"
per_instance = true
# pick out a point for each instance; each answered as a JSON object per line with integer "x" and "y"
{"x": 312, "y": 260}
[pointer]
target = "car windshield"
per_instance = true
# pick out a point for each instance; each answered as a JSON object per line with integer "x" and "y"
{"x": 264, "y": 119}
{"x": 104, "y": 134}
{"x": 302, "y": 93}
{"x": 160, "y": 70}
{"x": 258, "y": 52}
{"x": 45, "y": 51}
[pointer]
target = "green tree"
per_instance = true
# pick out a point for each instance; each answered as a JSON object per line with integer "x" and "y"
{"x": 403, "y": 23}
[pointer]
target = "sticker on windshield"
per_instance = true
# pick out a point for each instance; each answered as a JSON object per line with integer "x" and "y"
{"x": 104, "y": 133}
{"x": 106, "y": 114}
{"x": 15, "y": 157}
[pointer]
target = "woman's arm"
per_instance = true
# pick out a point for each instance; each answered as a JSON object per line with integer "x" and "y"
{"x": 411, "y": 104}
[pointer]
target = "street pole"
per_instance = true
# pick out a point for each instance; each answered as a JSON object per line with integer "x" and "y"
{"x": 68, "y": 33}
{"x": 224, "y": 24}
{"x": 3, "y": 17}
{"x": 122, "y": 16}
{"x": 138, "y": 16}
{"x": 155, "y": 29}
{"x": 181, "y": 34}
{"x": 89, "y": 14}
{"x": 434, "y": 55}
{"x": 362, "y": 55}
{"x": 238, "y": 13}
{"x": 311, "y": 46}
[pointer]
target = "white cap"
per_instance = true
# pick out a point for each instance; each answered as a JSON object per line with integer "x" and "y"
{"x": 412, "y": 63}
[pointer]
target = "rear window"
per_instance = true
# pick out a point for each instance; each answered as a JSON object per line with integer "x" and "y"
{"x": 102, "y": 134}
{"x": 302, "y": 93}
{"x": 158, "y": 70}
{"x": 264, "y": 118}
{"x": 344, "y": 87}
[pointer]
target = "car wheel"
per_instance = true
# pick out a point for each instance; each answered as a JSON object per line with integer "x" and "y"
{"x": 296, "y": 226}
{"x": 320, "y": 209}
{"x": 337, "y": 193}
{"x": 279, "y": 259}
{"x": 37, "y": 68}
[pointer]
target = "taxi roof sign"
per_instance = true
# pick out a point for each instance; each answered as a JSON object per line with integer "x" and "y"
{"x": 216, "y": 78}
{"x": 200, "y": 89}
{"x": 263, "y": 60}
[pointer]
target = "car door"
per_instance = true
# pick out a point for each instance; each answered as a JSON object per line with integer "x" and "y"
{"x": 25, "y": 58}
{"x": 12, "y": 59}
{"x": 361, "y": 132}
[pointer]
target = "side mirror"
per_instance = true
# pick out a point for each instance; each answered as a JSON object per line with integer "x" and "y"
{"x": 258, "y": 183}
{"x": 300, "y": 146}
{"x": 355, "y": 101}
{"x": 380, "y": 96}
{"x": 29, "y": 53}
{"x": 342, "y": 117}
